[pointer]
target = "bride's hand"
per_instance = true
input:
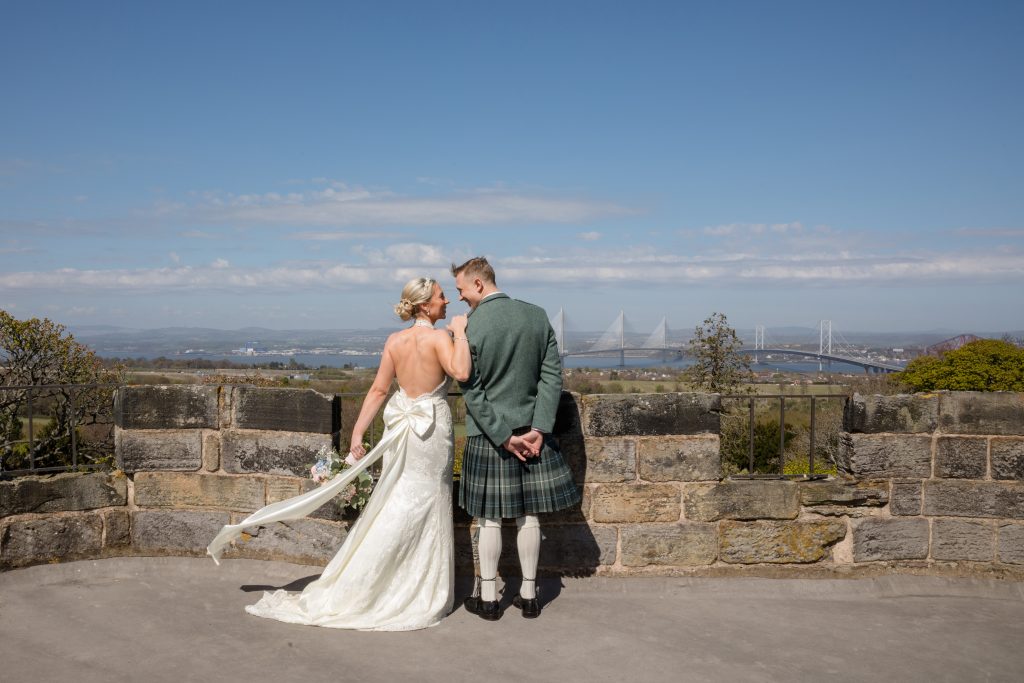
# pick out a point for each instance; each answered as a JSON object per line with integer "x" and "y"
{"x": 458, "y": 325}
{"x": 356, "y": 449}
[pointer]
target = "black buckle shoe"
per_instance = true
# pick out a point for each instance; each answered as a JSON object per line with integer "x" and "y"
{"x": 489, "y": 610}
{"x": 529, "y": 606}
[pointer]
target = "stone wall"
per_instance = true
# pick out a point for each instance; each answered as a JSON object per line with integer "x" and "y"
{"x": 931, "y": 483}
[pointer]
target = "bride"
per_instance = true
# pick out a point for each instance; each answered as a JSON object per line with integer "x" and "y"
{"x": 395, "y": 570}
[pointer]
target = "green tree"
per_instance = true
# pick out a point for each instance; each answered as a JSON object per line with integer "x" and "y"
{"x": 718, "y": 364}
{"x": 983, "y": 365}
{"x": 735, "y": 445}
{"x": 42, "y": 370}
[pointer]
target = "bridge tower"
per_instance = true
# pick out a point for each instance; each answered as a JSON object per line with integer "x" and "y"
{"x": 622, "y": 338}
{"x": 824, "y": 345}
{"x": 758, "y": 340}
{"x": 558, "y": 325}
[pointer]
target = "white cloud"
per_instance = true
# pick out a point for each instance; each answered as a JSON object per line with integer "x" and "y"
{"x": 341, "y": 235}
{"x": 174, "y": 257}
{"x": 220, "y": 264}
{"x": 589, "y": 236}
{"x": 991, "y": 232}
{"x": 343, "y": 205}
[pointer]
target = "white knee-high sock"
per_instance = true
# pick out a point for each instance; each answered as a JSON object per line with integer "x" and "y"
{"x": 489, "y": 548}
{"x": 528, "y": 545}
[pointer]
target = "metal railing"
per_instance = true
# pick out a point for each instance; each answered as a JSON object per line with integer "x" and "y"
{"x": 32, "y": 403}
{"x": 750, "y": 400}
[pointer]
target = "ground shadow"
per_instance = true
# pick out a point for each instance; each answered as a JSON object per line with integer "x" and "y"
{"x": 296, "y": 585}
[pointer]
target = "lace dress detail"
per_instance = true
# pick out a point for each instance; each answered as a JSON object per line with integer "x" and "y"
{"x": 395, "y": 570}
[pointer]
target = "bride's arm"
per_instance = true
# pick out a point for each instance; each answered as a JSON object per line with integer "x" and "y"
{"x": 372, "y": 403}
{"x": 453, "y": 353}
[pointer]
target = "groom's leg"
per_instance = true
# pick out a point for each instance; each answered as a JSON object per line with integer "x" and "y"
{"x": 528, "y": 545}
{"x": 490, "y": 551}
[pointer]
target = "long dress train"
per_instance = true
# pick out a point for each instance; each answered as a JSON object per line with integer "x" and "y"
{"x": 395, "y": 570}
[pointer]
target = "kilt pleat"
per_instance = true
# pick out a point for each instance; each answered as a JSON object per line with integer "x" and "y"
{"x": 496, "y": 484}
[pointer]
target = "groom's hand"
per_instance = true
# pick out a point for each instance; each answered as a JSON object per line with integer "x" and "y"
{"x": 534, "y": 441}
{"x": 517, "y": 447}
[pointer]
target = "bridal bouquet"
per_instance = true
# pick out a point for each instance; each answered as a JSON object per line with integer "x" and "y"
{"x": 329, "y": 463}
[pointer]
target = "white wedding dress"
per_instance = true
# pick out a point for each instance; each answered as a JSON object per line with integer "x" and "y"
{"x": 395, "y": 570}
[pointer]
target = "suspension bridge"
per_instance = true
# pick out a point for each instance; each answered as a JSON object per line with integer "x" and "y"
{"x": 616, "y": 340}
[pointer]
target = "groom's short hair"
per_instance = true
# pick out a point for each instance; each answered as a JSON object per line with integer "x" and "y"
{"x": 475, "y": 267}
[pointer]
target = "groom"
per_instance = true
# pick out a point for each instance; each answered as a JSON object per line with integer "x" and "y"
{"x": 511, "y": 468}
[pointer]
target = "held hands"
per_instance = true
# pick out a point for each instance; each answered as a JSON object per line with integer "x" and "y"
{"x": 458, "y": 325}
{"x": 526, "y": 446}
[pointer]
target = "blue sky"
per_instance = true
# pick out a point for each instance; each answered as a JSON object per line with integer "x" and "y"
{"x": 291, "y": 165}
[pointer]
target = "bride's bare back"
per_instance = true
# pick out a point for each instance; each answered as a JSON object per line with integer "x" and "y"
{"x": 413, "y": 353}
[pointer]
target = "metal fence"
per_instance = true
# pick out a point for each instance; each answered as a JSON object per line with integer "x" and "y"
{"x": 750, "y": 401}
{"x": 41, "y": 427}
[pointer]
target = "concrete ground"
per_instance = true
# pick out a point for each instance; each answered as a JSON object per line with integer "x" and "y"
{"x": 181, "y": 619}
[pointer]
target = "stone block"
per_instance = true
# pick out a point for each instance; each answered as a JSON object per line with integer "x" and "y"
{"x": 577, "y": 514}
{"x": 739, "y": 499}
{"x": 905, "y": 498}
{"x": 575, "y": 548}
{"x": 211, "y": 451}
{"x": 304, "y": 540}
{"x": 179, "y": 406}
{"x": 608, "y": 459}
{"x": 982, "y": 412}
{"x": 778, "y": 542}
{"x": 887, "y": 455}
{"x": 952, "y": 498}
{"x": 906, "y": 414}
{"x": 635, "y": 503}
{"x": 674, "y": 545}
{"x": 879, "y": 539}
{"x": 50, "y": 539}
{"x": 831, "y": 492}
{"x": 287, "y": 410}
{"x": 116, "y": 528}
{"x": 1011, "y": 543}
{"x": 175, "y": 532}
{"x": 140, "y": 450}
{"x": 1008, "y": 458}
{"x": 680, "y": 458}
{"x": 961, "y": 457}
{"x": 958, "y": 539}
{"x": 65, "y": 492}
{"x": 167, "y": 489}
{"x": 270, "y": 452}
{"x": 651, "y": 414}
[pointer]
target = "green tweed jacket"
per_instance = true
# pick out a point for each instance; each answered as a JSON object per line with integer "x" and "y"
{"x": 516, "y": 380}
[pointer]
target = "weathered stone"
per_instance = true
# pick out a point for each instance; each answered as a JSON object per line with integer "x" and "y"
{"x": 179, "y": 406}
{"x": 635, "y": 503}
{"x": 680, "y": 458}
{"x": 1011, "y": 543}
{"x": 211, "y": 451}
{"x": 651, "y": 414}
{"x": 778, "y": 542}
{"x": 167, "y": 489}
{"x": 906, "y": 498}
{"x": 878, "y": 539}
{"x": 907, "y": 414}
{"x": 957, "y": 539}
{"x": 50, "y": 539}
{"x": 953, "y": 498}
{"x": 288, "y": 410}
{"x": 174, "y": 532}
{"x": 961, "y": 457}
{"x": 116, "y": 528}
{"x": 140, "y": 450}
{"x": 569, "y": 434}
{"x": 62, "y": 493}
{"x": 580, "y": 548}
{"x": 283, "y": 488}
{"x": 981, "y": 412}
{"x": 680, "y": 545}
{"x": 738, "y": 499}
{"x": 303, "y": 540}
{"x": 577, "y": 514}
{"x": 270, "y": 452}
{"x": 832, "y": 492}
{"x": 609, "y": 459}
{"x": 887, "y": 455}
{"x": 1007, "y": 458}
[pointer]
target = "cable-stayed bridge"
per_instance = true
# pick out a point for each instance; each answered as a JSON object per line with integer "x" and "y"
{"x": 831, "y": 346}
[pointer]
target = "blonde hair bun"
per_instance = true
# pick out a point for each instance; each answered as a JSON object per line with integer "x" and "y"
{"x": 415, "y": 293}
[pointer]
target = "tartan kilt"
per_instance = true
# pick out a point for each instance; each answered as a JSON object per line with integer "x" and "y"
{"x": 496, "y": 484}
